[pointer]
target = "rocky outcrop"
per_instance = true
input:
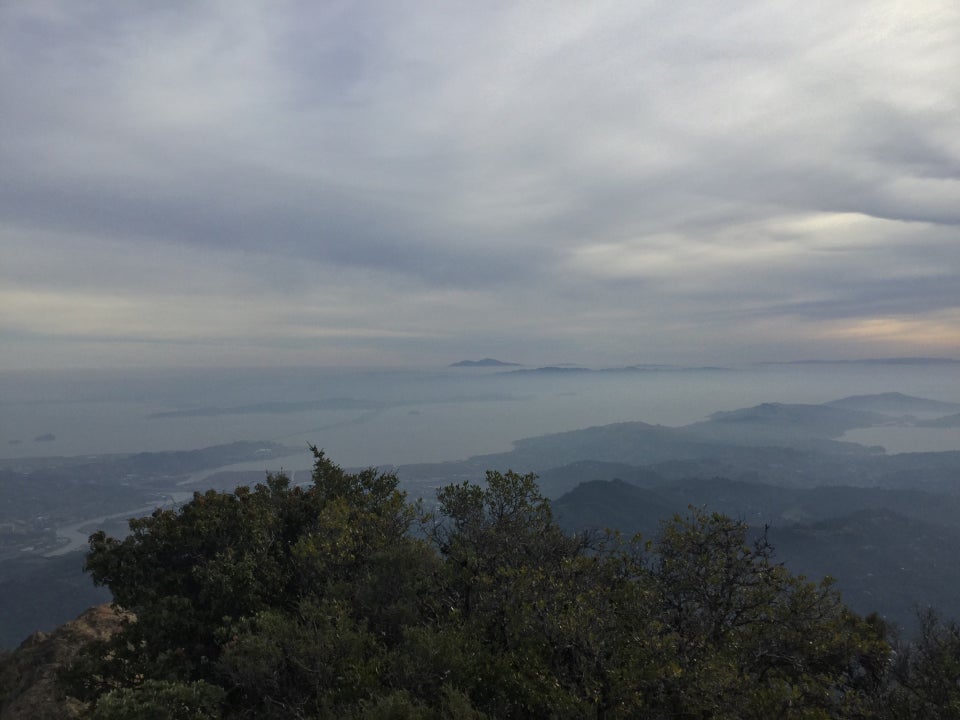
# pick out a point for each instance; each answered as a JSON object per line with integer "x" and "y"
{"x": 28, "y": 675}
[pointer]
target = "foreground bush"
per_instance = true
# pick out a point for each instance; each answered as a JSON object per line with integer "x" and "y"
{"x": 344, "y": 600}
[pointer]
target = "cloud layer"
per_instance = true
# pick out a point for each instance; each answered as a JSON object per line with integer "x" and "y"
{"x": 364, "y": 183}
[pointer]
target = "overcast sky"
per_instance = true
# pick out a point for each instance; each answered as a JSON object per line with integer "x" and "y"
{"x": 398, "y": 183}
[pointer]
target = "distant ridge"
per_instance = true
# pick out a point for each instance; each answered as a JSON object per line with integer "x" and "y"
{"x": 950, "y": 421}
{"x": 552, "y": 370}
{"x": 875, "y": 361}
{"x": 893, "y": 402}
{"x": 571, "y": 369}
{"x": 486, "y": 362}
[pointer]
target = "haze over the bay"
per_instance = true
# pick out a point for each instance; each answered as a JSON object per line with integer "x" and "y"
{"x": 407, "y": 183}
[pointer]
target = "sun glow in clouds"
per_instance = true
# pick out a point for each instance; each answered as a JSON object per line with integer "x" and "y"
{"x": 937, "y": 333}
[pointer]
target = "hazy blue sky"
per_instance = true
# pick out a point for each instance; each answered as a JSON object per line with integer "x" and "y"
{"x": 406, "y": 182}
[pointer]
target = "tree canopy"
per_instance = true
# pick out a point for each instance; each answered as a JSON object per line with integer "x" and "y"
{"x": 343, "y": 599}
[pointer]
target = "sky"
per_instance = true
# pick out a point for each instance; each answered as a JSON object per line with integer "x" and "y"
{"x": 413, "y": 183}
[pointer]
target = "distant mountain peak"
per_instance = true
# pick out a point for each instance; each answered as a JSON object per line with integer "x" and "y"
{"x": 893, "y": 402}
{"x": 485, "y": 362}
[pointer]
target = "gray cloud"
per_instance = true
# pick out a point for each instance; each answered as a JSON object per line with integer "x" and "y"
{"x": 413, "y": 181}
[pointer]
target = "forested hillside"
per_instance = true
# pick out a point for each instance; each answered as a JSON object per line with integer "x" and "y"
{"x": 342, "y": 599}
